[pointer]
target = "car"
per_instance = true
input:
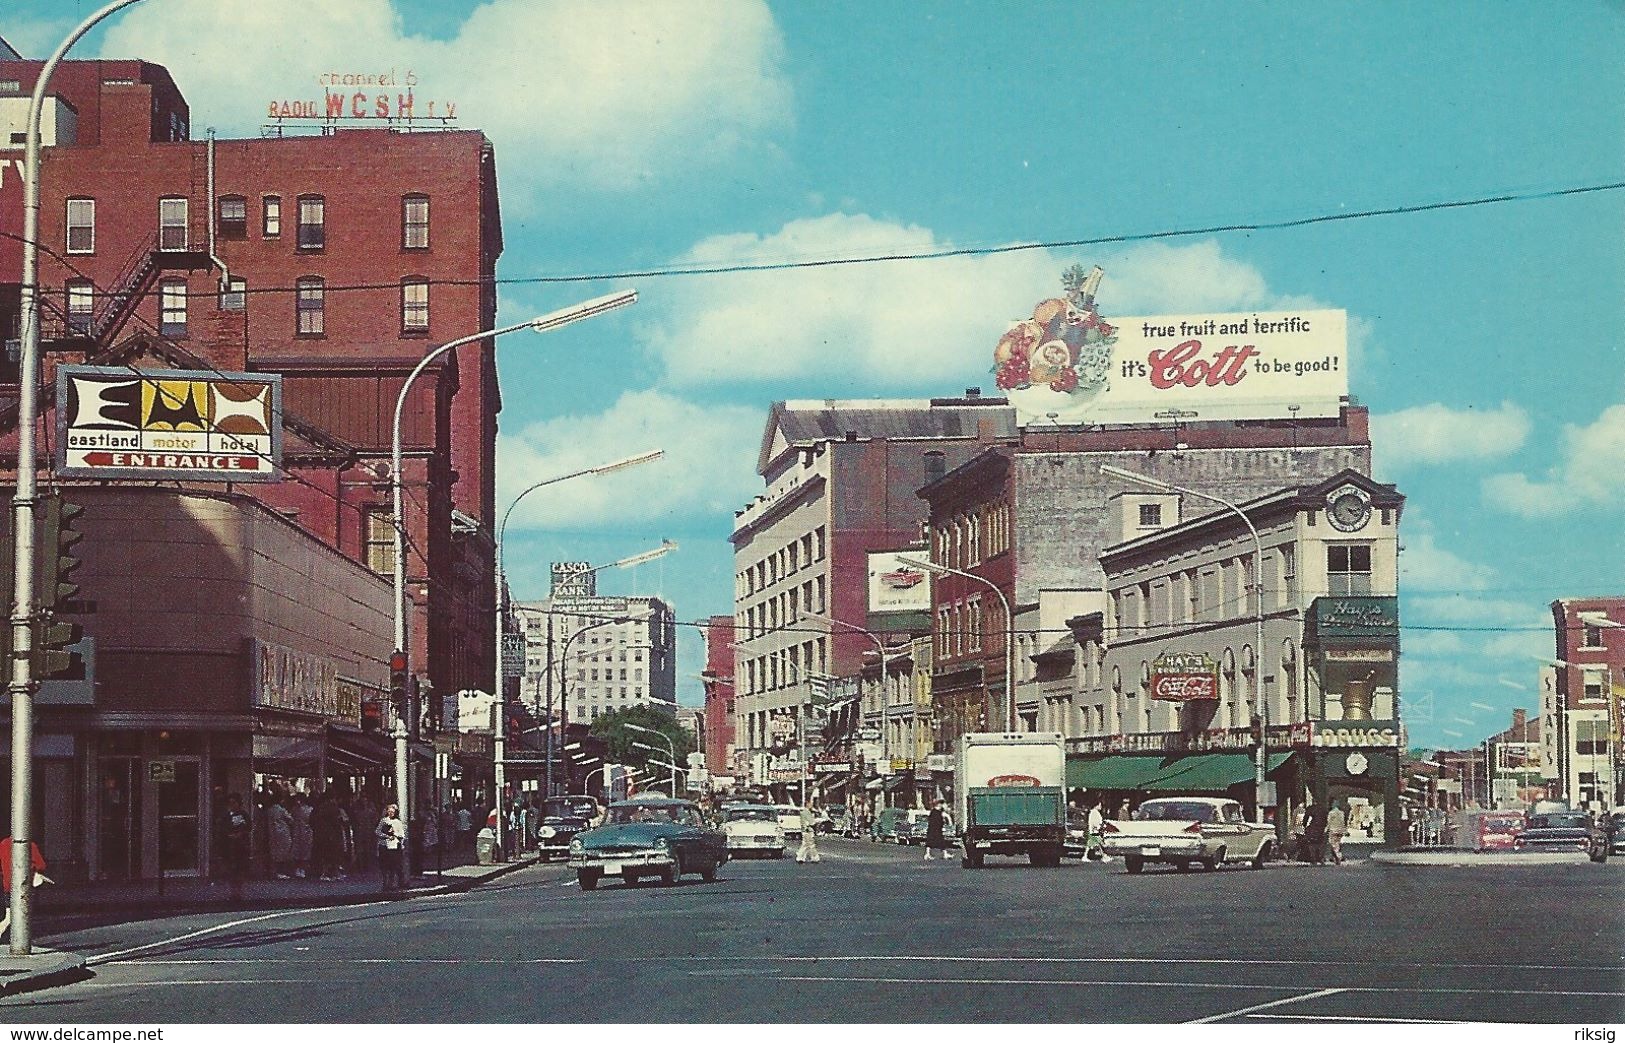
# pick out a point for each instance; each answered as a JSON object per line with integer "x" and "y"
{"x": 753, "y": 829}
{"x": 790, "y": 819}
{"x": 890, "y": 826}
{"x": 837, "y": 820}
{"x": 562, "y": 818}
{"x": 1615, "y": 827}
{"x": 649, "y": 836}
{"x": 1188, "y": 831}
{"x": 1076, "y": 844}
{"x": 1564, "y": 831}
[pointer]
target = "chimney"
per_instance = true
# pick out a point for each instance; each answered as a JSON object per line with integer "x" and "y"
{"x": 935, "y": 465}
{"x": 1520, "y": 719}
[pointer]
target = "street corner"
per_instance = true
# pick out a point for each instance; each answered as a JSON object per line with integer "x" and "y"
{"x": 42, "y": 970}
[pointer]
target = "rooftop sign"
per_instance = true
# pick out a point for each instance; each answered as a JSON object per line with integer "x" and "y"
{"x": 385, "y": 95}
{"x": 1069, "y": 365}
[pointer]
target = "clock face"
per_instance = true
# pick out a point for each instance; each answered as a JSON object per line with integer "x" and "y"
{"x": 1356, "y": 764}
{"x": 1348, "y": 510}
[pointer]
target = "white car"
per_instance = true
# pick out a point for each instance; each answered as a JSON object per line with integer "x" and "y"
{"x": 753, "y": 829}
{"x": 1187, "y": 831}
{"x": 790, "y": 821}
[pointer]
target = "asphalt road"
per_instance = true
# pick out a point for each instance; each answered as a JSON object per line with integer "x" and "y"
{"x": 875, "y": 934}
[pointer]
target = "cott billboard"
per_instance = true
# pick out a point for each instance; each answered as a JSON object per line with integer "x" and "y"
{"x": 221, "y": 427}
{"x": 1068, "y": 364}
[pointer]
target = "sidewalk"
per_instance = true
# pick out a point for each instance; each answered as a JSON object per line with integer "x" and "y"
{"x": 1464, "y": 857}
{"x": 39, "y": 971}
{"x": 142, "y": 898}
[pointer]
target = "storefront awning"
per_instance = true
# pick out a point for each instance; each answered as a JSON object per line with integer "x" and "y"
{"x": 897, "y": 782}
{"x": 354, "y": 752}
{"x": 1195, "y": 773}
{"x": 1209, "y": 772}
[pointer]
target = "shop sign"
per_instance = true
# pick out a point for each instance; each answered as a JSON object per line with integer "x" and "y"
{"x": 1216, "y": 740}
{"x": 160, "y": 771}
{"x": 784, "y": 774}
{"x": 1356, "y": 619}
{"x": 185, "y": 424}
{"x": 1357, "y": 655}
{"x": 782, "y": 727}
{"x": 902, "y": 765}
{"x": 601, "y": 609}
{"x": 347, "y": 695}
{"x": 939, "y": 762}
{"x": 292, "y": 680}
{"x": 1068, "y": 364}
{"x": 1356, "y": 734}
{"x": 832, "y": 767}
{"x": 1184, "y": 677}
{"x": 896, "y": 587}
{"x": 514, "y": 647}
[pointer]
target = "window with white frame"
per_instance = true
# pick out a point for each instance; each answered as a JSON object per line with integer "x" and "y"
{"x": 414, "y": 305}
{"x": 234, "y": 295}
{"x": 81, "y": 304}
{"x": 415, "y": 222}
{"x": 312, "y": 223}
{"x": 172, "y": 223}
{"x": 81, "y": 234}
{"x": 172, "y": 308}
{"x": 1348, "y": 568}
{"x": 310, "y": 305}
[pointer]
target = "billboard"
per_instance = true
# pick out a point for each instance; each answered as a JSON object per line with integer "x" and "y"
{"x": 895, "y": 587}
{"x": 1185, "y": 676}
{"x": 202, "y": 426}
{"x": 1069, "y": 365}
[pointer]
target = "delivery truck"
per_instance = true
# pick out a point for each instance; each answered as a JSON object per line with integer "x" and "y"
{"x": 1010, "y": 797}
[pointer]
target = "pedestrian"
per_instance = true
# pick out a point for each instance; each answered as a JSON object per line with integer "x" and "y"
{"x": 1337, "y": 822}
{"x": 429, "y": 830}
{"x": 391, "y": 836}
{"x": 299, "y": 809}
{"x": 465, "y": 827}
{"x": 448, "y": 828}
{"x": 279, "y": 823}
{"x": 1094, "y": 849}
{"x": 235, "y": 842}
{"x": 36, "y": 862}
{"x": 1314, "y": 834}
{"x": 936, "y": 831}
{"x": 326, "y": 838}
{"x": 809, "y": 844}
{"x": 1297, "y": 852}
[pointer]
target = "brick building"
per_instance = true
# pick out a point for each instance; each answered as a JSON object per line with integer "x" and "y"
{"x": 336, "y": 260}
{"x": 1585, "y": 701}
{"x": 718, "y": 678}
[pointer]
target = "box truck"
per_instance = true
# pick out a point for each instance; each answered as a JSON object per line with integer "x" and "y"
{"x": 1010, "y": 796}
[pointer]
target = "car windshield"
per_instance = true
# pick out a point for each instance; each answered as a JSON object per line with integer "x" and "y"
{"x": 571, "y": 808}
{"x": 752, "y": 815}
{"x": 682, "y": 814}
{"x": 1565, "y": 820}
{"x": 1175, "y": 811}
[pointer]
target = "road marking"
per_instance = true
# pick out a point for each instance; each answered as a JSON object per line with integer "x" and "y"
{"x": 1173, "y": 961}
{"x": 1265, "y": 1006}
{"x": 1193, "y": 985}
{"x": 382, "y": 959}
{"x": 1357, "y": 1017}
{"x": 208, "y": 981}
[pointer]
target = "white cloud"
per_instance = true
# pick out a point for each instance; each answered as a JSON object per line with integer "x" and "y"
{"x": 913, "y": 324}
{"x": 1427, "y": 566}
{"x": 608, "y": 93}
{"x": 709, "y": 466}
{"x": 1590, "y": 473}
{"x": 1437, "y": 434}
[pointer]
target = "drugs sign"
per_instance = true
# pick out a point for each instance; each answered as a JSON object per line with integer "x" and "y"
{"x": 200, "y": 426}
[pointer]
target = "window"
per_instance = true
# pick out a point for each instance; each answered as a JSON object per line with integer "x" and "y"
{"x": 309, "y": 295}
{"x": 81, "y": 300}
{"x": 172, "y": 308}
{"x": 312, "y": 223}
{"x": 1348, "y": 568}
{"x": 81, "y": 226}
{"x": 234, "y": 297}
{"x": 380, "y": 541}
{"x": 1590, "y": 738}
{"x": 1594, "y": 685}
{"x": 1593, "y": 636}
{"x": 415, "y": 222}
{"x": 233, "y": 221}
{"x": 271, "y": 217}
{"x": 415, "y": 305}
{"x": 1150, "y": 515}
{"x": 172, "y": 223}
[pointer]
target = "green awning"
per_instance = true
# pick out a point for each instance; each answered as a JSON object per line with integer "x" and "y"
{"x": 1208, "y": 772}
{"x": 1196, "y": 773}
{"x": 1111, "y": 772}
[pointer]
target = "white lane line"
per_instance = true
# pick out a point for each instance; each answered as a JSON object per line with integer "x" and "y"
{"x": 1357, "y": 1017}
{"x": 833, "y": 979}
{"x": 211, "y": 981}
{"x": 348, "y": 960}
{"x": 1264, "y": 1006}
{"x": 1171, "y": 961}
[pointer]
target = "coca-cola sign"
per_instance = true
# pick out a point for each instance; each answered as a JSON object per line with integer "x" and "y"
{"x": 1068, "y": 364}
{"x": 1184, "y": 677}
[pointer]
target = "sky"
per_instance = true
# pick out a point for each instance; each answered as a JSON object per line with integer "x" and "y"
{"x": 634, "y": 136}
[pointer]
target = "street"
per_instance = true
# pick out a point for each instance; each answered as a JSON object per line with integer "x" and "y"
{"x": 876, "y": 934}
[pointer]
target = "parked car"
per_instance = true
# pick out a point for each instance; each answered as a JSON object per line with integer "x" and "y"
{"x": 1559, "y": 831}
{"x": 753, "y": 829}
{"x": 1187, "y": 831}
{"x": 790, "y": 819}
{"x": 1076, "y": 844}
{"x": 649, "y": 835}
{"x": 1616, "y": 831}
{"x": 562, "y": 819}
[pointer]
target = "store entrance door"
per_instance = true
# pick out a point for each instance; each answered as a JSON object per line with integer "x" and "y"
{"x": 119, "y": 818}
{"x": 179, "y": 805}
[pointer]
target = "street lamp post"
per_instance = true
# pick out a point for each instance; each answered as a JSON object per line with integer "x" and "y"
{"x": 1259, "y": 756}
{"x": 21, "y": 681}
{"x": 541, "y": 324}
{"x": 500, "y": 676}
{"x": 670, "y": 746}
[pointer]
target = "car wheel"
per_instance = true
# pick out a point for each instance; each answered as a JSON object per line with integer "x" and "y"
{"x": 1263, "y": 856}
{"x": 709, "y": 873}
{"x": 1184, "y": 866}
{"x": 1210, "y": 864}
{"x": 587, "y": 878}
{"x": 972, "y": 859}
{"x": 1133, "y": 863}
{"x": 669, "y": 875}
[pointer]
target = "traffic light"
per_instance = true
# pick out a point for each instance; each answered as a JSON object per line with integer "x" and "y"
{"x": 59, "y": 559}
{"x": 397, "y": 683}
{"x": 58, "y": 590}
{"x": 1257, "y": 730}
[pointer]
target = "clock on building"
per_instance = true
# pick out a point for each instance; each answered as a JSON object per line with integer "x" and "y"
{"x": 1356, "y": 764}
{"x": 1348, "y": 508}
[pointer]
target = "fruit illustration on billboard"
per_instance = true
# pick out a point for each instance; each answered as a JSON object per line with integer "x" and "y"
{"x": 1059, "y": 361}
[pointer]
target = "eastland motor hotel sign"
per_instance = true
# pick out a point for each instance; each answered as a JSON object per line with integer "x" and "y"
{"x": 1070, "y": 364}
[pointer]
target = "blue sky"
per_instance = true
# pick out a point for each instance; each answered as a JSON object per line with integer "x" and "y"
{"x": 1485, "y": 340}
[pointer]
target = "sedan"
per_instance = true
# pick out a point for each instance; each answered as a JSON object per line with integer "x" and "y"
{"x": 1559, "y": 831}
{"x": 649, "y": 836}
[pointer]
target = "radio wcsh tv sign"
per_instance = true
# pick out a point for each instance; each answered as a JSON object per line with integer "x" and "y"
{"x": 1229, "y": 366}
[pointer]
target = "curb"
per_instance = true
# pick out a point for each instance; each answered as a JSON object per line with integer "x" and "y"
{"x": 41, "y": 971}
{"x": 1476, "y": 858}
